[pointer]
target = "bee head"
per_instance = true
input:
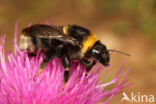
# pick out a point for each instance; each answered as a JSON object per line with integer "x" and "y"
{"x": 99, "y": 52}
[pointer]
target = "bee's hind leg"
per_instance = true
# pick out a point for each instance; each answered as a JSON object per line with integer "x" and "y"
{"x": 50, "y": 54}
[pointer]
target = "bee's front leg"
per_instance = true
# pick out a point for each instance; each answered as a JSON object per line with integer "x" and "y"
{"x": 88, "y": 64}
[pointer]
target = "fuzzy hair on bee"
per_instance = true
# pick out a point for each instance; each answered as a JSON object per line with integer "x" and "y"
{"x": 26, "y": 43}
{"x": 69, "y": 42}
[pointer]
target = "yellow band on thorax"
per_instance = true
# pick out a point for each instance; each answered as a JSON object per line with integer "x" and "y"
{"x": 65, "y": 30}
{"x": 89, "y": 42}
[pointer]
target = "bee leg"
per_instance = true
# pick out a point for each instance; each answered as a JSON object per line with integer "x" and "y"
{"x": 50, "y": 54}
{"x": 31, "y": 54}
{"x": 66, "y": 75}
{"x": 88, "y": 64}
{"x": 66, "y": 63}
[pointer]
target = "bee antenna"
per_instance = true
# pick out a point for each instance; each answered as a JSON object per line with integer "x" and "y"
{"x": 119, "y": 52}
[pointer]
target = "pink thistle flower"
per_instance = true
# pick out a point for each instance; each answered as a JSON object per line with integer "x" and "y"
{"x": 19, "y": 86}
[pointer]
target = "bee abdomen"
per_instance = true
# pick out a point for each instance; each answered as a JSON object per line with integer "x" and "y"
{"x": 31, "y": 44}
{"x": 26, "y": 43}
{"x": 41, "y": 44}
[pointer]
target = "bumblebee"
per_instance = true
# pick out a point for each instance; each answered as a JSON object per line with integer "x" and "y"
{"x": 69, "y": 42}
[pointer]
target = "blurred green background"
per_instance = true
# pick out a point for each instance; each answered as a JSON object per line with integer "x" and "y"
{"x": 126, "y": 25}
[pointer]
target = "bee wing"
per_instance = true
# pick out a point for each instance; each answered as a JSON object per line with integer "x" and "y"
{"x": 46, "y": 31}
{"x": 60, "y": 37}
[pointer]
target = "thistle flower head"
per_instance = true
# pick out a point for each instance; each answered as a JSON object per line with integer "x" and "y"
{"x": 19, "y": 86}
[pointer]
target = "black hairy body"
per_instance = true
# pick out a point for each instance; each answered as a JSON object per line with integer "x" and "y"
{"x": 71, "y": 42}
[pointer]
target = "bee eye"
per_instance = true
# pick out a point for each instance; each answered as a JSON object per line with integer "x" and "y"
{"x": 95, "y": 51}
